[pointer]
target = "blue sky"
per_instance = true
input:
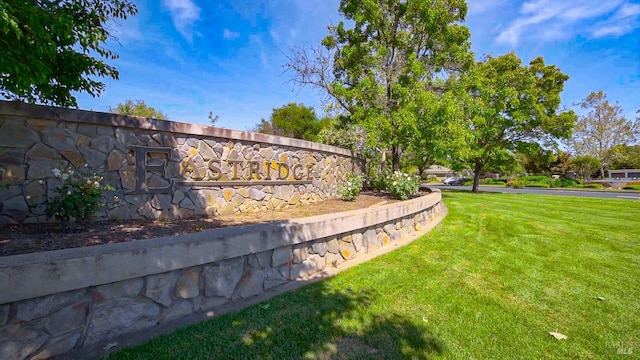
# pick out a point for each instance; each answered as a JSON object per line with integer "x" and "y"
{"x": 189, "y": 57}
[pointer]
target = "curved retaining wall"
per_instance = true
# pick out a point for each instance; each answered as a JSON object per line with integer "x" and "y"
{"x": 53, "y": 302}
{"x": 159, "y": 168}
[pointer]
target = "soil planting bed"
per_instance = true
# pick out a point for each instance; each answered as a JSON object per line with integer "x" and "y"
{"x": 29, "y": 238}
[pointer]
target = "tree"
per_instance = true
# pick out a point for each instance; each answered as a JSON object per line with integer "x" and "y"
{"x": 508, "y": 105}
{"x": 48, "y": 48}
{"x": 138, "y": 108}
{"x": 626, "y": 157}
{"x": 292, "y": 120}
{"x": 376, "y": 69}
{"x": 602, "y": 128}
{"x": 585, "y": 165}
{"x": 213, "y": 118}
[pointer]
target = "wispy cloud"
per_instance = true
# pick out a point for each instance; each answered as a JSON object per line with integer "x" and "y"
{"x": 184, "y": 14}
{"x": 256, "y": 39}
{"x": 230, "y": 35}
{"x": 624, "y": 21}
{"x": 482, "y": 6}
{"x": 551, "y": 20}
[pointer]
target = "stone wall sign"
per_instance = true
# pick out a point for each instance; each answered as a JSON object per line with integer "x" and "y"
{"x": 159, "y": 169}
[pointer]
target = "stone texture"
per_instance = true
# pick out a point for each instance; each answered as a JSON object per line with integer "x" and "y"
{"x": 320, "y": 248}
{"x": 250, "y": 284}
{"x": 12, "y": 174}
{"x": 130, "y": 314}
{"x": 161, "y": 201}
{"x": 273, "y": 278}
{"x": 128, "y": 177}
{"x": 17, "y": 342}
{"x": 358, "y": 242}
{"x": 257, "y": 194}
{"x": 126, "y": 288}
{"x": 333, "y": 246}
{"x": 15, "y": 134}
{"x": 74, "y": 157}
{"x": 179, "y": 310}
{"x": 103, "y": 143}
{"x": 311, "y": 265}
{"x": 70, "y": 318}
{"x": 227, "y": 209}
{"x": 283, "y": 192}
{"x": 58, "y": 345}
{"x": 60, "y": 139}
{"x": 34, "y": 308}
{"x": 16, "y": 207}
{"x": 221, "y": 279}
{"x": 281, "y": 256}
{"x": 159, "y": 287}
{"x": 116, "y": 160}
{"x": 188, "y": 283}
{"x": 346, "y": 250}
{"x": 260, "y": 260}
{"x": 95, "y": 159}
{"x": 40, "y": 151}
{"x": 4, "y": 314}
{"x": 149, "y": 212}
{"x": 300, "y": 254}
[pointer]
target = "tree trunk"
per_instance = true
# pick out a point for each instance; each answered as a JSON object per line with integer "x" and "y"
{"x": 476, "y": 176}
{"x": 396, "y": 150}
{"x": 383, "y": 160}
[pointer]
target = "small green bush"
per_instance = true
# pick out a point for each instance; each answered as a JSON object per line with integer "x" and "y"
{"x": 516, "y": 184}
{"x": 490, "y": 181}
{"x": 537, "y": 185}
{"x": 632, "y": 187}
{"x": 78, "y": 197}
{"x": 350, "y": 191}
{"x": 467, "y": 182}
{"x": 378, "y": 181}
{"x": 591, "y": 186}
{"x": 536, "y": 178}
{"x": 400, "y": 185}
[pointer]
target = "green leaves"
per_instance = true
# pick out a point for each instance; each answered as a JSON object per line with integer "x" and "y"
{"x": 47, "y": 48}
{"x": 138, "y": 108}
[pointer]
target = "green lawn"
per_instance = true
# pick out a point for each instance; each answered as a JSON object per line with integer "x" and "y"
{"x": 491, "y": 282}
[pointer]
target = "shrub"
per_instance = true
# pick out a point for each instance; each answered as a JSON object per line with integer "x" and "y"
{"x": 467, "y": 182}
{"x": 591, "y": 186}
{"x": 78, "y": 197}
{"x": 516, "y": 184}
{"x": 492, "y": 181}
{"x": 540, "y": 178}
{"x": 377, "y": 181}
{"x": 537, "y": 185}
{"x": 632, "y": 187}
{"x": 401, "y": 186}
{"x": 352, "y": 188}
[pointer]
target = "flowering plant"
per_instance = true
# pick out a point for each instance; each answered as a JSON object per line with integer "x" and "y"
{"x": 352, "y": 188}
{"x": 78, "y": 197}
{"x": 401, "y": 185}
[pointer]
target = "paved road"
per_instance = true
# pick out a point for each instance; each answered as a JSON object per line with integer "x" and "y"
{"x": 559, "y": 192}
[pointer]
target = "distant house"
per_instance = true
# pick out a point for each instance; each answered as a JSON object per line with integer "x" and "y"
{"x": 439, "y": 171}
{"x": 633, "y": 174}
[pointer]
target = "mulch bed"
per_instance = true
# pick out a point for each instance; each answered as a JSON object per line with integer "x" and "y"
{"x": 29, "y": 238}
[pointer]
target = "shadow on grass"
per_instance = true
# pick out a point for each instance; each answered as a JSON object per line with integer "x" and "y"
{"x": 315, "y": 322}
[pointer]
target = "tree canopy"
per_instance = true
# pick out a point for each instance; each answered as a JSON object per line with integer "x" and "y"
{"x": 292, "y": 120}
{"x": 138, "y": 108}
{"x": 376, "y": 67}
{"x": 602, "y": 128}
{"x": 48, "y": 48}
{"x": 508, "y": 105}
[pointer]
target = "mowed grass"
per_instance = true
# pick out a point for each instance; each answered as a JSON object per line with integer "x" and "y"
{"x": 491, "y": 282}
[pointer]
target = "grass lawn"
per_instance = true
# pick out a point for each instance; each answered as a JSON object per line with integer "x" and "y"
{"x": 491, "y": 282}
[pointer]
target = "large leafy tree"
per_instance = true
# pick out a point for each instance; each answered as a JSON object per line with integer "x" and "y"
{"x": 52, "y": 48}
{"x": 138, "y": 108}
{"x": 509, "y": 105}
{"x": 626, "y": 157}
{"x": 376, "y": 66}
{"x": 602, "y": 128}
{"x": 292, "y": 120}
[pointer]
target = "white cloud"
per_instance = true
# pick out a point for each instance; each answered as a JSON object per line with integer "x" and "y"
{"x": 184, "y": 14}
{"x": 483, "y": 6}
{"x": 230, "y": 35}
{"x": 550, "y": 20}
{"x": 263, "y": 55}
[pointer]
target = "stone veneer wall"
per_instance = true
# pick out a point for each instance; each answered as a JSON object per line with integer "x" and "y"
{"x": 35, "y": 139}
{"x": 51, "y": 303}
